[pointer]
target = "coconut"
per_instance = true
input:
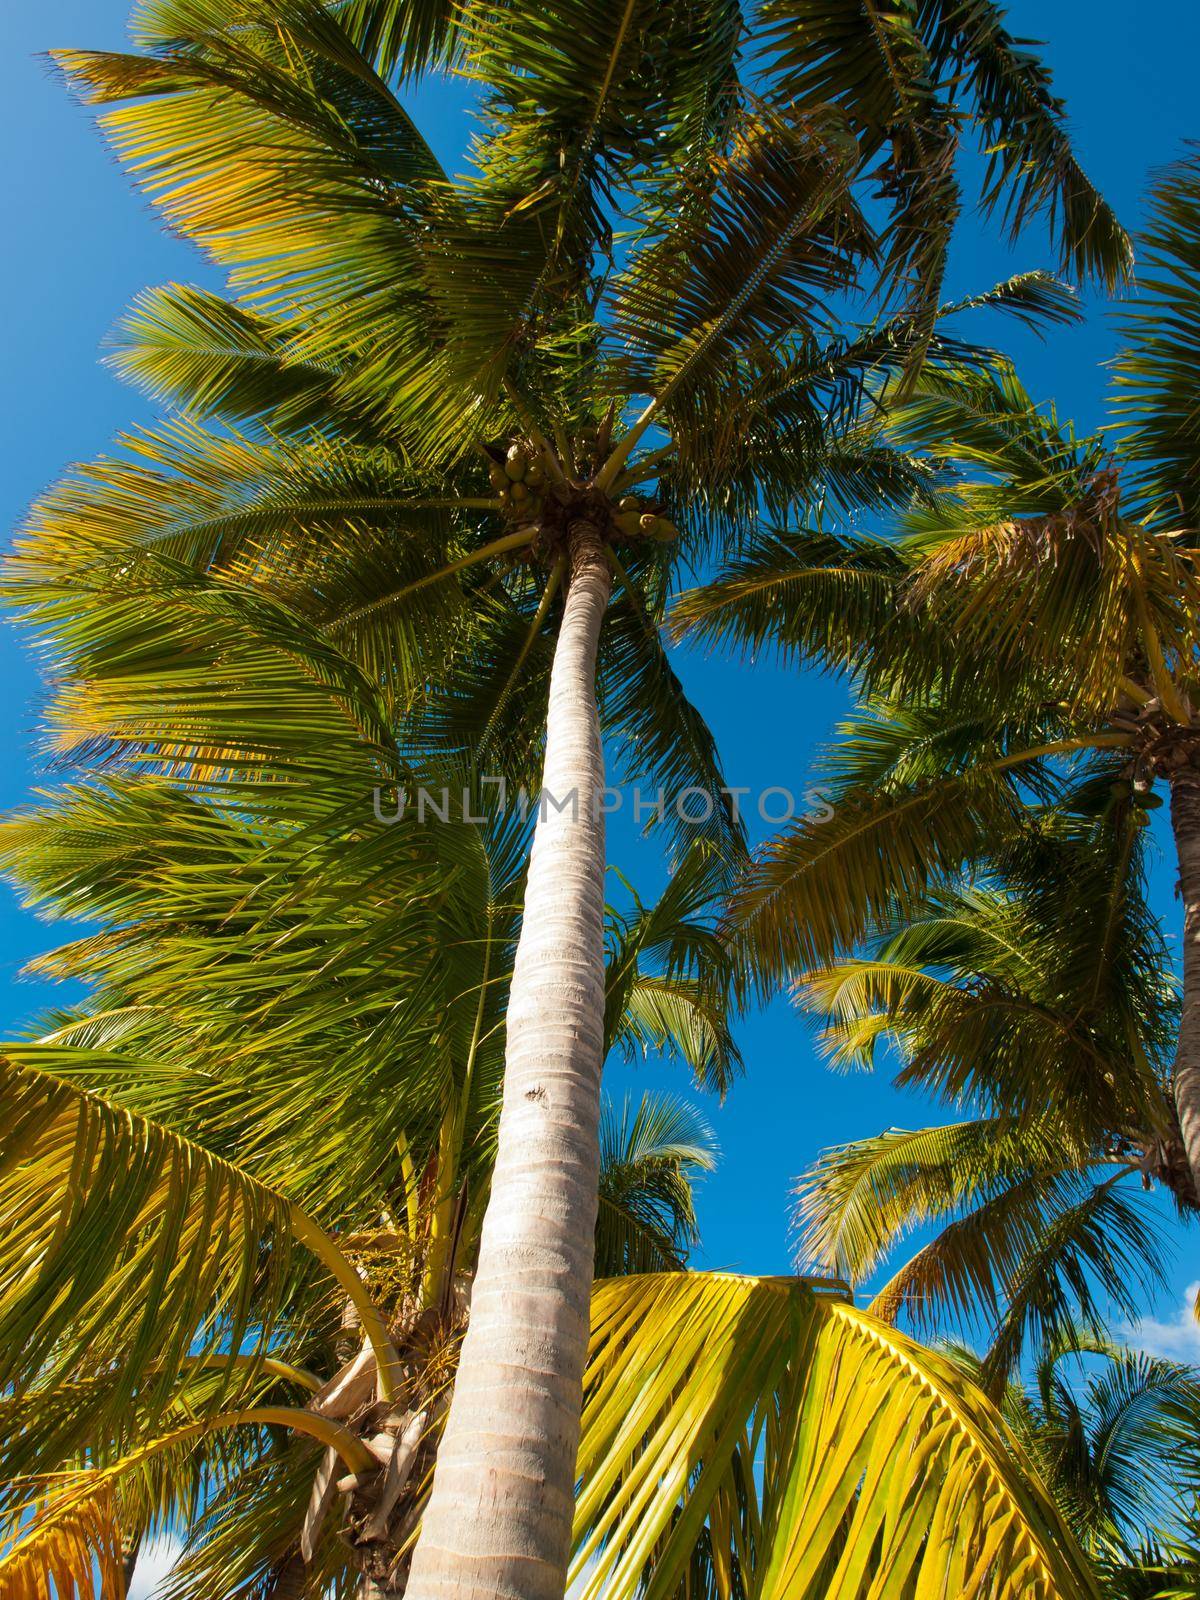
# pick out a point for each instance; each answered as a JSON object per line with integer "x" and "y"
{"x": 519, "y": 492}
{"x": 628, "y": 502}
{"x": 535, "y": 473}
{"x": 516, "y": 462}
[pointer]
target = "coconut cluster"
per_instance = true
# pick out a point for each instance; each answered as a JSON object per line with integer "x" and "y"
{"x": 637, "y": 520}
{"x": 520, "y": 482}
{"x": 521, "y": 478}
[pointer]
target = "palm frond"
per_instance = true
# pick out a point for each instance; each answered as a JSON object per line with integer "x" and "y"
{"x": 1155, "y": 397}
{"x": 1049, "y": 1251}
{"x": 862, "y": 1199}
{"x": 873, "y": 1451}
{"x": 212, "y": 357}
{"x": 907, "y": 82}
{"x": 651, "y": 1155}
{"x": 133, "y": 1245}
{"x": 817, "y": 888}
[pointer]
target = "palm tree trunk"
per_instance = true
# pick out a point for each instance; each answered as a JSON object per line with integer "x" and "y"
{"x": 1185, "y": 821}
{"x": 499, "y": 1518}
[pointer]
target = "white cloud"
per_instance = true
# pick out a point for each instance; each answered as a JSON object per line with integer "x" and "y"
{"x": 1178, "y": 1338}
{"x": 154, "y": 1563}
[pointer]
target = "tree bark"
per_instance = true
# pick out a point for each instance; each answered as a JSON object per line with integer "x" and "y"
{"x": 498, "y": 1524}
{"x": 1185, "y": 821}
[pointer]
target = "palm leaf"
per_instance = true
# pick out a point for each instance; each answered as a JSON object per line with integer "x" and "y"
{"x": 907, "y": 80}
{"x": 650, "y": 1157}
{"x": 133, "y": 1245}
{"x": 210, "y": 357}
{"x": 68, "y": 1534}
{"x": 878, "y": 1459}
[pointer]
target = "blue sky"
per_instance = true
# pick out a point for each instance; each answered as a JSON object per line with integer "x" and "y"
{"x": 82, "y": 243}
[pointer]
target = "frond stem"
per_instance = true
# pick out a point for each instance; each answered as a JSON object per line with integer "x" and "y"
{"x": 497, "y": 547}
{"x": 322, "y": 1246}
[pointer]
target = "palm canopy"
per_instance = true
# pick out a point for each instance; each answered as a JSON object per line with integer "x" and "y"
{"x": 1038, "y": 603}
{"x": 273, "y": 136}
{"x": 219, "y": 1070}
{"x": 392, "y": 327}
{"x": 1036, "y": 1001}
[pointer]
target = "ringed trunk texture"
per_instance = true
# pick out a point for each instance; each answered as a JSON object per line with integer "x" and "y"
{"x": 1185, "y": 821}
{"x": 498, "y": 1523}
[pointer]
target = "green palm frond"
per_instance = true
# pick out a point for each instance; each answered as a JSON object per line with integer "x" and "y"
{"x": 212, "y": 357}
{"x": 686, "y": 1017}
{"x": 578, "y": 103}
{"x": 861, "y": 1200}
{"x": 1111, "y": 1430}
{"x": 1032, "y": 1238}
{"x": 116, "y": 1254}
{"x": 801, "y": 593}
{"x": 1131, "y": 1403}
{"x": 225, "y": 129}
{"x": 651, "y": 1154}
{"x": 817, "y": 888}
{"x": 68, "y": 1536}
{"x": 245, "y": 1538}
{"x": 1027, "y": 558}
{"x": 1041, "y": 996}
{"x": 65, "y": 1427}
{"x": 407, "y": 36}
{"x": 1050, "y": 1251}
{"x": 673, "y": 984}
{"x": 1050, "y": 986}
{"x": 1154, "y": 394}
{"x": 907, "y": 80}
{"x": 771, "y": 233}
{"x": 309, "y": 991}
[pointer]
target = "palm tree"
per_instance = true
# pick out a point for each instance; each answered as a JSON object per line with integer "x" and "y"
{"x": 1040, "y": 610}
{"x": 312, "y": 1000}
{"x": 243, "y": 1184}
{"x": 469, "y": 375}
{"x": 1036, "y": 999}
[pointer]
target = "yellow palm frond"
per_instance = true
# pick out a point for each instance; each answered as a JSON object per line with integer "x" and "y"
{"x": 804, "y": 1443}
{"x": 65, "y": 1543}
{"x": 69, "y": 1547}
